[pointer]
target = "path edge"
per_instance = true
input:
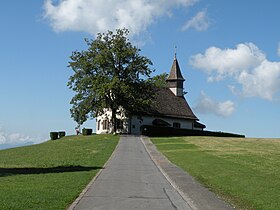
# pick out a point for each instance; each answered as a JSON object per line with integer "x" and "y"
{"x": 77, "y": 200}
{"x": 215, "y": 202}
{"x": 173, "y": 184}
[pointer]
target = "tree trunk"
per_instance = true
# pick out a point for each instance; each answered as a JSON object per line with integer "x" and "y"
{"x": 114, "y": 121}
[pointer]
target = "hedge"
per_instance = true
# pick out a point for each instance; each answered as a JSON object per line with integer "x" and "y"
{"x": 157, "y": 131}
{"x": 54, "y": 135}
{"x": 61, "y": 134}
{"x": 86, "y": 131}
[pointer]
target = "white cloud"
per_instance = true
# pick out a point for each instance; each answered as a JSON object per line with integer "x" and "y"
{"x": 199, "y": 22}
{"x": 228, "y": 62}
{"x": 246, "y": 64}
{"x": 2, "y": 138}
{"x": 207, "y": 105}
{"x": 263, "y": 81}
{"x": 13, "y": 139}
{"x": 101, "y": 15}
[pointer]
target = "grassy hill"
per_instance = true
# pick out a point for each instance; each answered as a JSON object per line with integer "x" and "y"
{"x": 52, "y": 174}
{"x": 246, "y": 172}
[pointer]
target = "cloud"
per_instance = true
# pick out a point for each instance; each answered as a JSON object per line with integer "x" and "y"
{"x": 246, "y": 64}
{"x": 228, "y": 62}
{"x": 199, "y": 22}
{"x": 95, "y": 16}
{"x": 207, "y": 105}
{"x": 263, "y": 81}
{"x": 13, "y": 139}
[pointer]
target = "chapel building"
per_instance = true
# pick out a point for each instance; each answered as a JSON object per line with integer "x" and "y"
{"x": 169, "y": 109}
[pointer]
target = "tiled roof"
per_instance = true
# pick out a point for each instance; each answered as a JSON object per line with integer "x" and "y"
{"x": 175, "y": 72}
{"x": 166, "y": 104}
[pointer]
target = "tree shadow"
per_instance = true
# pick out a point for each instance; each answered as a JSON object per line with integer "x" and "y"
{"x": 58, "y": 169}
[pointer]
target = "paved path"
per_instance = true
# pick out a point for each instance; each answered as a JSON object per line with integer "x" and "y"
{"x": 131, "y": 181}
{"x": 197, "y": 196}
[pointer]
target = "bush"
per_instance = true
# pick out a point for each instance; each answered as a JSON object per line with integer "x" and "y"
{"x": 54, "y": 135}
{"x": 61, "y": 134}
{"x": 86, "y": 131}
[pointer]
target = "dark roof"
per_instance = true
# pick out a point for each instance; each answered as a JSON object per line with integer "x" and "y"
{"x": 175, "y": 72}
{"x": 199, "y": 125}
{"x": 166, "y": 104}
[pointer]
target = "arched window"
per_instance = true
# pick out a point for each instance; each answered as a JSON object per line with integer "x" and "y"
{"x": 105, "y": 124}
{"x": 98, "y": 124}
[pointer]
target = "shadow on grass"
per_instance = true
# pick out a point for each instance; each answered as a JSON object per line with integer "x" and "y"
{"x": 59, "y": 169}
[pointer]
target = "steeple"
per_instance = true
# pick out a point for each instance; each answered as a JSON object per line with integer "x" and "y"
{"x": 175, "y": 80}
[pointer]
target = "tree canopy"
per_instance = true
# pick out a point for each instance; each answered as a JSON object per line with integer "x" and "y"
{"x": 159, "y": 81}
{"x": 111, "y": 73}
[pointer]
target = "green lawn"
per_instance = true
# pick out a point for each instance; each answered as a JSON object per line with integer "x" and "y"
{"x": 52, "y": 174}
{"x": 246, "y": 172}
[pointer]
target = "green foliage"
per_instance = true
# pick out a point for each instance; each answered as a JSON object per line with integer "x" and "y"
{"x": 54, "y": 135}
{"x": 111, "y": 73}
{"x": 160, "y": 80}
{"x": 52, "y": 174}
{"x": 61, "y": 134}
{"x": 86, "y": 131}
{"x": 246, "y": 172}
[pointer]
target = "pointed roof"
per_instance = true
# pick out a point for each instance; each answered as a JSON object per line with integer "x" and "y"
{"x": 175, "y": 72}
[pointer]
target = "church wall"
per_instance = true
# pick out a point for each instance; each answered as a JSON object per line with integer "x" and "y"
{"x": 137, "y": 122}
{"x": 104, "y": 125}
{"x": 103, "y": 119}
{"x": 177, "y": 91}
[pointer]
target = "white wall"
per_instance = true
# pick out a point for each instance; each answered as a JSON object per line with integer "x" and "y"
{"x": 108, "y": 116}
{"x": 136, "y": 123}
{"x": 177, "y": 91}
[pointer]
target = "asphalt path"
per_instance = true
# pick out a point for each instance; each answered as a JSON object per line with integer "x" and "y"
{"x": 130, "y": 180}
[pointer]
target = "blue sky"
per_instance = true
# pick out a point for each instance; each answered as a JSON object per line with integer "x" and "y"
{"x": 228, "y": 51}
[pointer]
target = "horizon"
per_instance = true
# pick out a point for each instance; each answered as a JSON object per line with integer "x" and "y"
{"x": 228, "y": 52}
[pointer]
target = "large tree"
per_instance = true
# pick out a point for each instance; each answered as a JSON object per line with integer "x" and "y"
{"x": 110, "y": 74}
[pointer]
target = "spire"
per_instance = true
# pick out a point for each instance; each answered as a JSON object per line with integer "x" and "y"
{"x": 175, "y": 79}
{"x": 175, "y": 72}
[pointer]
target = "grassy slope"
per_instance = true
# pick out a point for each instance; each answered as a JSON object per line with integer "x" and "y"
{"x": 51, "y": 175}
{"x": 246, "y": 172}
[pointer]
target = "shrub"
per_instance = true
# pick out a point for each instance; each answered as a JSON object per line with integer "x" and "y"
{"x": 54, "y": 135}
{"x": 61, "y": 134}
{"x": 86, "y": 131}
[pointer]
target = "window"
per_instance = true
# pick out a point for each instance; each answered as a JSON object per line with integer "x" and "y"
{"x": 105, "y": 125}
{"x": 98, "y": 124}
{"x": 176, "y": 125}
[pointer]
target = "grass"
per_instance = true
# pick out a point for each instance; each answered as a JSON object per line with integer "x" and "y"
{"x": 52, "y": 174}
{"x": 245, "y": 172}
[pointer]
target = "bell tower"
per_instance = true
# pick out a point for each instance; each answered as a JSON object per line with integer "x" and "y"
{"x": 175, "y": 80}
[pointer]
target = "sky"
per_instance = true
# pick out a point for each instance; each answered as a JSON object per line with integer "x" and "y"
{"x": 228, "y": 51}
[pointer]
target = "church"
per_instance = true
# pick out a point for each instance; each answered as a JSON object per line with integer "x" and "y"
{"x": 169, "y": 109}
